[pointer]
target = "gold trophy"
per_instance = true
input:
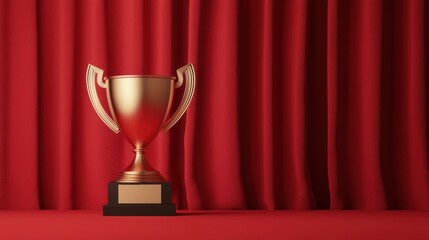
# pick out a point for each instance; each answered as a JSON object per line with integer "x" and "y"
{"x": 139, "y": 105}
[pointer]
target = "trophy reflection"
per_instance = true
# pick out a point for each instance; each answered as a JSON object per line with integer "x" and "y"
{"x": 140, "y": 105}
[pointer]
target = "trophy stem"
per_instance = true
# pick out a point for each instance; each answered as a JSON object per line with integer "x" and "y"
{"x": 139, "y": 170}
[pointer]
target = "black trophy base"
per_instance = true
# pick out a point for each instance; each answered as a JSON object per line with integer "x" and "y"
{"x": 139, "y": 199}
{"x": 139, "y": 210}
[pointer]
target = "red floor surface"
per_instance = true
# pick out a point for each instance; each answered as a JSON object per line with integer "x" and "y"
{"x": 217, "y": 225}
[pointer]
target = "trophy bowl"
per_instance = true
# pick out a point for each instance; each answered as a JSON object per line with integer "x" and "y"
{"x": 139, "y": 106}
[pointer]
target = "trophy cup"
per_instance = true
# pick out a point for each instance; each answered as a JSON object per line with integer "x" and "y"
{"x": 139, "y": 105}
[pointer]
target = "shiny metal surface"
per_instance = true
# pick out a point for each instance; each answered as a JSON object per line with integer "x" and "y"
{"x": 93, "y": 72}
{"x": 139, "y": 193}
{"x": 189, "y": 73}
{"x": 140, "y": 105}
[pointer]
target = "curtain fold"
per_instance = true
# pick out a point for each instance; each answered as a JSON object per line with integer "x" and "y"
{"x": 299, "y": 104}
{"x": 358, "y": 103}
{"x": 19, "y": 132}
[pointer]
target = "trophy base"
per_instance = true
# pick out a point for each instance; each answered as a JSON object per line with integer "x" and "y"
{"x": 140, "y": 210}
{"x": 139, "y": 199}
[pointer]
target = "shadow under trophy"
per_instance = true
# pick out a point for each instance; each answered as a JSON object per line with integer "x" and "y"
{"x": 139, "y": 105}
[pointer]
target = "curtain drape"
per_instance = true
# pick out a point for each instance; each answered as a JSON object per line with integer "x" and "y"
{"x": 299, "y": 104}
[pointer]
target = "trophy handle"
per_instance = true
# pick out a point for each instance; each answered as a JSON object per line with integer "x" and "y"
{"x": 92, "y": 92}
{"x": 189, "y": 72}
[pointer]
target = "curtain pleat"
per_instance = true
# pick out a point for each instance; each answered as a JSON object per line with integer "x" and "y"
{"x": 19, "y": 132}
{"x": 358, "y": 104}
{"x": 315, "y": 104}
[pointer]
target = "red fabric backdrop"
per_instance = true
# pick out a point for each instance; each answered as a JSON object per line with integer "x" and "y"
{"x": 299, "y": 104}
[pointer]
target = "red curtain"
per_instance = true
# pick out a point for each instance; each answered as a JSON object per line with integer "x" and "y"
{"x": 299, "y": 104}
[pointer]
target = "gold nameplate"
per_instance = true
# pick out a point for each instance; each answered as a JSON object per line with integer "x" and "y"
{"x": 139, "y": 193}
